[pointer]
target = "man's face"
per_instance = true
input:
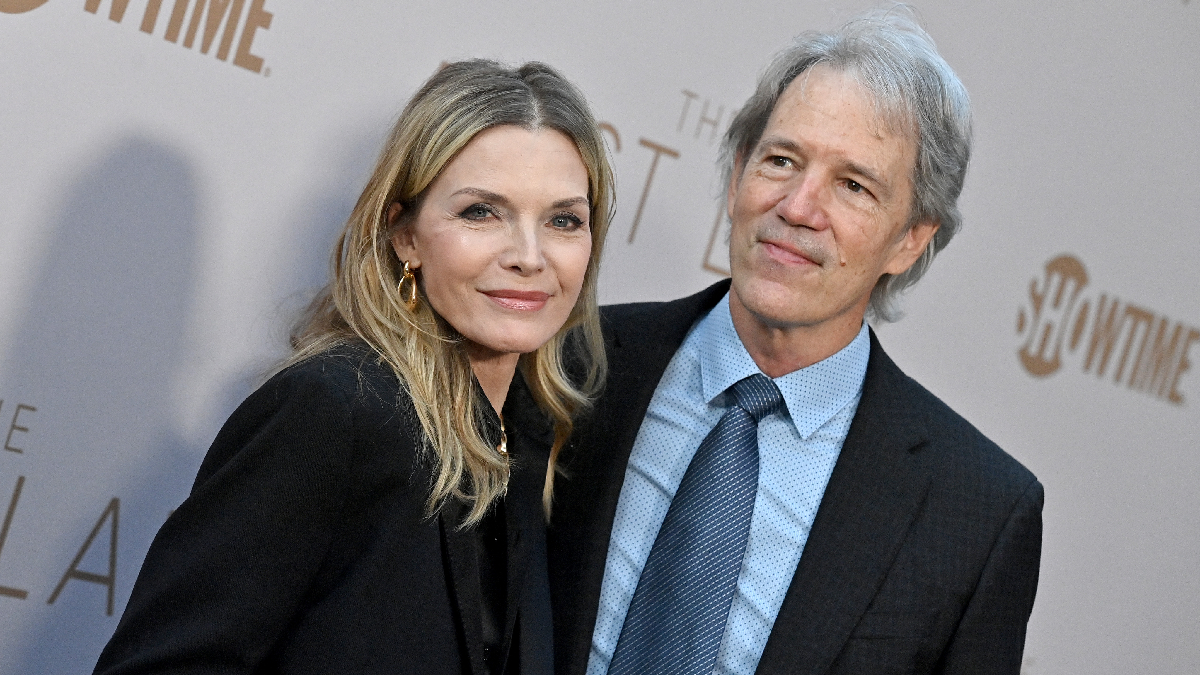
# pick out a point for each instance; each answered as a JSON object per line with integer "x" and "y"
{"x": 820, "y": 207}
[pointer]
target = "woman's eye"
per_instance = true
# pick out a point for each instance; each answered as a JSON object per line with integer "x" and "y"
{"x": 566, "y": 221}
{"x": 477, "y": 212}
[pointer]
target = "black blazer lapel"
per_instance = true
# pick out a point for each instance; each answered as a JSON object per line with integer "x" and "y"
{"x": 641, "y": 340}
{"x": 875, "y": 493}
{"x": 462, "y": 567}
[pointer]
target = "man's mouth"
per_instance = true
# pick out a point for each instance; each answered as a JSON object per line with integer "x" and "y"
{"x": 791, "y": 253}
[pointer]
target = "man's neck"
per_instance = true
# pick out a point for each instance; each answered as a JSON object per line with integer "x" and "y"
{"x": 779, "y": 350}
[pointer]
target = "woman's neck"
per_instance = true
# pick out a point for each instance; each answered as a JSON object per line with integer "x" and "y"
{"x": 494, "y": 370}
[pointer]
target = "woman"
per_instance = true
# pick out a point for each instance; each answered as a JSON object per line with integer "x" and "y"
{"x": 369, "y": 509}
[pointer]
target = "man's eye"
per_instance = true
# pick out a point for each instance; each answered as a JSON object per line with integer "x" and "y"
{"x": 854, "y": 186}
{"x": 781, "y": 162}
{"x": 476, "y": 212}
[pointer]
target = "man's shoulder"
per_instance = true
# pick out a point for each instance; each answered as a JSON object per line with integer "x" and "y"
{"x": 952, "y": 446}
{"x": 670, "y": 316}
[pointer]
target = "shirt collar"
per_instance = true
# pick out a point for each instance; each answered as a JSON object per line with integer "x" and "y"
{"x": 813, "y": 395}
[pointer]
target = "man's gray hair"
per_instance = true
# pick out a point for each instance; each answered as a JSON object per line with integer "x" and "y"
{"x": 914, "y": 91}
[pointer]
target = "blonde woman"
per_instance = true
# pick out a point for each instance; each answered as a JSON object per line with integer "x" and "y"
{"x": 379, "y": 504}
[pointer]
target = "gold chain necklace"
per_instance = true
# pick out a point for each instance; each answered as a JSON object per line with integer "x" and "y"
{"x": 503, "y": 447}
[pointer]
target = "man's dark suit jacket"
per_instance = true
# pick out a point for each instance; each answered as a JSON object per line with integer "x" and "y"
{"x": 304, "y": 546}
{"x": 923, "y": 557}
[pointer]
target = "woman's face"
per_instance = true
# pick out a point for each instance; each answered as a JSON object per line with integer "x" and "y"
{"x": 503, "y": 238}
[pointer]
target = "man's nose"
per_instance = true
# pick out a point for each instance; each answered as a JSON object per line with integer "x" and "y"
{"x": 805, "y": 203}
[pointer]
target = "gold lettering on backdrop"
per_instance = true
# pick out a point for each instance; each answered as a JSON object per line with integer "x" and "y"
{"x": 256, "y": 18}
{"x": 175, "y": 23}
{"x": 116, "y": 12}
{"x": 150, "y": 16}
{"x": 15, "y": 427}
{"x": 109, "y": 580}
{"x": 1148, "y": 352}
{"x": 712, "y": 242}
{"x": 1052, "y": 304}
{"x": 1153, "y": 369}
{"x": 688, "y": 97}
{"x": 215, "y": 16}
{"x": 713, "y": 122}
{"x": 20, "y": 6}
{"x": 1105, "y": 333}
{"x": 1182, "y": 366}
{"x": 659, "y": 151}
{"x": 703, "y": 119}
{"x": 612, "y": 131}
{"x": 715, "y": 130}
{"x": 1138, "y": 317}
{"x": 217, "y": 10}
{"x": 9, "y": 591}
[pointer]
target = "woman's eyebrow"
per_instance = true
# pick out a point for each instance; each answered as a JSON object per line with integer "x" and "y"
{"x": 486, "y": 195}
{"x": 573, "y": 201}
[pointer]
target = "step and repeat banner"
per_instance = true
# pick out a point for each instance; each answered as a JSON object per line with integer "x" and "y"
{"x": 172, "y": 176}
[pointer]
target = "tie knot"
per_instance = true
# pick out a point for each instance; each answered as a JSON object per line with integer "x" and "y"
{"x": 758, "y": 396}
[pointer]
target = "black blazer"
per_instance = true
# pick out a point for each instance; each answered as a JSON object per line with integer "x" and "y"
{"x": 304, "y": 546}
{"x": 923, "y": 557}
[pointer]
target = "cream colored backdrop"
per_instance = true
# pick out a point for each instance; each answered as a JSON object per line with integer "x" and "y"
{"x": 170, "y": 185}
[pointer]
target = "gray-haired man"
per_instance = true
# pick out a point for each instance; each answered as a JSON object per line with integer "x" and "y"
{"x": 761, "y": 489}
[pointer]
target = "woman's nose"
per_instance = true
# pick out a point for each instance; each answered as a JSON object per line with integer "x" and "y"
{"x": 525, "y": 253}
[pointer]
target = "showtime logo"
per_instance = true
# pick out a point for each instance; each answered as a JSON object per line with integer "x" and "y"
{"x": 1135, "y": 346}
{"x": 19, "y": 6}
{"x": 206, "y": 20}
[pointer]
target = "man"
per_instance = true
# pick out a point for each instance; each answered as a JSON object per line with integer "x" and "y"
{"x": 836, "y": 517}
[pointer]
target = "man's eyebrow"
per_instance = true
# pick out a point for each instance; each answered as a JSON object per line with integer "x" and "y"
{"x": 778, "y": 142}
{"x": 787, "y": 145}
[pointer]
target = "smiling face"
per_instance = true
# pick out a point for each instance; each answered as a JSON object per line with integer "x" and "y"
{"x": 819, "y": 213}
{"x": 502, "y": 239}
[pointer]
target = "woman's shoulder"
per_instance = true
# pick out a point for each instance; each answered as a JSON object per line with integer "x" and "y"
{"x": 341, "y": 402}
{"x": 351, "y": 371}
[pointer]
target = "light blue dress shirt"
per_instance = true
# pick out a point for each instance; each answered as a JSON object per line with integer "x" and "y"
{"x": 797, "y": 451}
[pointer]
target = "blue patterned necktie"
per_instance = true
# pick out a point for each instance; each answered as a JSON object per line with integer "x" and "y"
{"x": 678, "y": 613}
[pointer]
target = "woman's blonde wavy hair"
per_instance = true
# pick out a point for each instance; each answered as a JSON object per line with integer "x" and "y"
{"x": 362, "y": 300}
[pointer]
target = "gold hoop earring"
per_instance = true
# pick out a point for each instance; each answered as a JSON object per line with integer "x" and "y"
{"x": 410, "y": 297}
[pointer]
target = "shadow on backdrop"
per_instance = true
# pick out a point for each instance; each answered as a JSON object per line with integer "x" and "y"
{"x": 98, "y": 351}
{"x": 305, "y": 260}
{"x": 318, "y": 221}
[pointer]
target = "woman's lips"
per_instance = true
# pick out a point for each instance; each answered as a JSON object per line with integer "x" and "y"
{"x": 520, "y": 300}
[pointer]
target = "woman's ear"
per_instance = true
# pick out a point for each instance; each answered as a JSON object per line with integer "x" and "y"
{"x": 402, "y": 239}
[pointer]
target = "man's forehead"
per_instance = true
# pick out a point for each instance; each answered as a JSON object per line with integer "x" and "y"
{"x": 881, "y": 118}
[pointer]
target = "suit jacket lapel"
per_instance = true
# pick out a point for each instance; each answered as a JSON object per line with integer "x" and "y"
{"x": 463, "y": 568}
{"x": 875, "y": 492}
{"x": 642, "y": 339}
{"x": 638, "y": 354}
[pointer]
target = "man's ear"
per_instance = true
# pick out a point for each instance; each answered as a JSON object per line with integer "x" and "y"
{"x": 911, "y": 245}
{"x": 402, "y": 239}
